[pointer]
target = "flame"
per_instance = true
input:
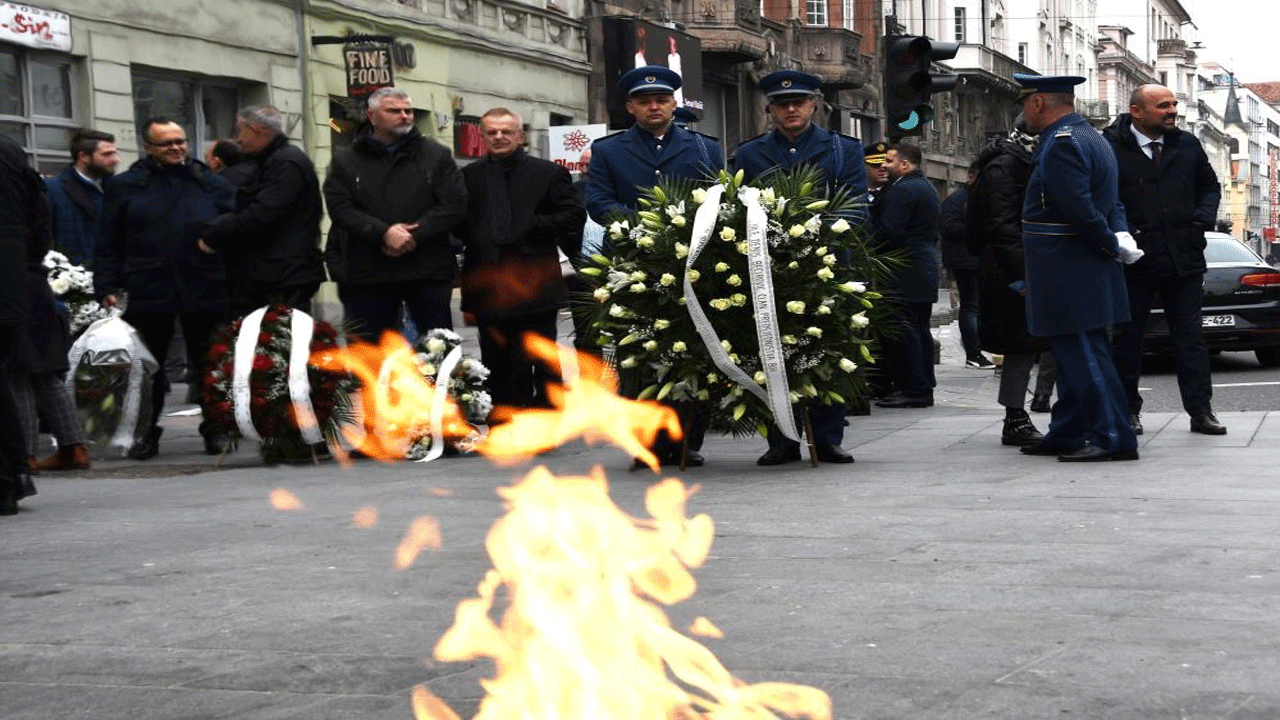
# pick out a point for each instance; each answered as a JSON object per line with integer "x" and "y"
{"x": 703, "y": 627}
{"x": 282, "y": 499}
{"x": 589, "y": 408}
{"x": 423, "y": 533}
{"x": 583, "y": 635}
{"x": 394, "y": 395}
{"x": 366, "y": 517}
{"x": 426, "y": 706}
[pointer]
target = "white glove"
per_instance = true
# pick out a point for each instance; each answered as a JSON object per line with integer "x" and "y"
{"x": 1129, "y": 252}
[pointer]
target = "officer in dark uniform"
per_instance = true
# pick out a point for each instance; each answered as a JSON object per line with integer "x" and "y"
{"x": 877, "y": 177}
{"x": 654, "y": 148}
{"x": 623, "y": 164}
{"x": 795, "y": 140}
{"x": 1075, "y": 236}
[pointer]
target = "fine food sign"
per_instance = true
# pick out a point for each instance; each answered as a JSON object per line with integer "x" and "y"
{"x": 368, "y": 68}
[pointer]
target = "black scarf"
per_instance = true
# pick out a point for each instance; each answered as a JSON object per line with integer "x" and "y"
{"x": 498, "y": 185}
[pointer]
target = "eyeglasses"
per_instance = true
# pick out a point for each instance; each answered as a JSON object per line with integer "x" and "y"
{"x": 167, "y": 143}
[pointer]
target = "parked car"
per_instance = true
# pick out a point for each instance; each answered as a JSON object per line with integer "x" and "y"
{"x": 1241, "y": 303}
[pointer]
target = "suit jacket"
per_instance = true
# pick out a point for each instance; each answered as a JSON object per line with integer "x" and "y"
{"x": 1070, "y": 218}
{"x": 908, "y": 221}
{"x": 522, "y": 275}
{"x": 625, "y": 163}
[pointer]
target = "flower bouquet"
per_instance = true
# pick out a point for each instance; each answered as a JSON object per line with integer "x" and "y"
{"x": 73, "y": 285}
{"x": 261, "y": 386}
{"x": 440, "y": 351}
{"x": 110, "y": 380}
{"x": 744, "y": 299}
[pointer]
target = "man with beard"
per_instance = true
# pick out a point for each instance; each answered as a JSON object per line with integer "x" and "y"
{"x": 1170, "y": 195}
{"x": 520, "y": 209}
{"x": 75, "y": 194}
{"x": 393, "y": 196}
{"x": 994, "y": 219}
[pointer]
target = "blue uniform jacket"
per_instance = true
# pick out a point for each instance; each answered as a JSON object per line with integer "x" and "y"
{"x": 840, "y": 157}
{"x": 625, "y": 163}
{"x": 1070, "y": 218}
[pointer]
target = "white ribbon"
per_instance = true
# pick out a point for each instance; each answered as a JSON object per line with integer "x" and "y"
{"x": 246, "y": 348}
{"x": 301, "y": 328}
{"x": 704, "y": 222}
{"x": 436, "y": 448}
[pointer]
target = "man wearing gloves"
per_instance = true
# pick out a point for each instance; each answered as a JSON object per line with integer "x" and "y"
{"x": 1076, "y": 238}
{"x": 1170, "y": 195}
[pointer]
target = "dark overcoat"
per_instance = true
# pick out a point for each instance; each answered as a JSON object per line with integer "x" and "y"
{"x": 625, "y": 163}
{"x": 523, "y": 275}
{"x": 1168, "y": 207}
{"x": 994, "y": 220}
{"x": 907, "y": 221}
{"x": 152, "y": 217}
{"x": 1070, "y": 218}
{"x": 26, "y": 302}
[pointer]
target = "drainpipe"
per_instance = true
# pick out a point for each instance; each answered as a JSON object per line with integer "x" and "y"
{"x": 304, "y": 60}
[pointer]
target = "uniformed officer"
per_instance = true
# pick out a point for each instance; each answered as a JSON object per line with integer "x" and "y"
{"x": 654, "y": 148}
{"x": 795, "y": 140}
{"x": 623, "y": 164}
{"x": 1076, "y": 236}
{"x": 877, "y": 175}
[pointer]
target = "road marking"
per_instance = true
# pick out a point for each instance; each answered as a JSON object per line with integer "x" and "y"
{"x": 1253, "y": 384}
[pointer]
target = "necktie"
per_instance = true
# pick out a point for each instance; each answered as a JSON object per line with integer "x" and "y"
{"x": 1155, "y": 152}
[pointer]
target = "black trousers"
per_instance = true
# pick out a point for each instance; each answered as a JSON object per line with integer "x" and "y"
{"x": 1181, "y": 297}
{"x": 156, "y": 332}
{"x": 256, "y": 295}
{"x": 372, "y": 310}
{"x": 909, "y": 353}
{"x": 515, "y": 378}
{"x": 13, "y": 453}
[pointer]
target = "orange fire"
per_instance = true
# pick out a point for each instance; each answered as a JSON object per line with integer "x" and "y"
{"x": 583, "y": 635}
{"x": 395, "y": 398}
{"x": 588, "y": 408}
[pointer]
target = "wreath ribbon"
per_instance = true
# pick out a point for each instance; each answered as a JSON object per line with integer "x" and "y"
{"x": 301, "y": 329}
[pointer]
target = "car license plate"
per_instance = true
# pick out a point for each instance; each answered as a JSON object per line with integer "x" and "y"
{"x": 1218, "y": 321}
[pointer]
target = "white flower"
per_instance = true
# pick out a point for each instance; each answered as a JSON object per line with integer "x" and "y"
{"x": 839, "y": 226}
{"x": 675, "y": 211}
{"x": 782, "y": 205}
{"x": 693, "y": 276}
{"x": 852, "y": 287}
{"x": 829, "y": 259}
{"x": 619, "y": 229}
{"x": 428, "y": 369}
{"x": 768, "y": 197}
{"x": 629, "y": 362}
{"x": 678, "y": 346}
{"x": 60, "y": 285}
{"x": 728, "y": 234}
{"x": 738, "y": 299}
{"x": 823, "y": 310}
{"x": 679, "y": 221}
{"x": 645, "y": 242}
{"x": 667, "y": 279}
{"x": 720, "y": 304}
{"x": 825, "y": 273}
{"x": 796, "y": 306}
{"x": 796, "y": 231}
{"x": 618, "y": 311}
{"x": 638, "y": 287}
{"x": 728, "y": 347}
{"x": 860, "y": 320}
{"x": 436, "y": 345}
{"x": 741, "y": 247}
{"x": 789, "y": 340}
{"x": 650, "y": 345}
{"x": 661, "y": 324}
{"x": 822, "y": 250}
{"x": 813, "y": 224}
{"x": 760, "y": 377}
{"x": 793, "y": 265}
{"x": 639, "y": 276}
{"x": 681, "y": 249}
{"x": 601, "y": 294}
{"x": 699, "y": 195}
{"x": 722, "y": 266}
{"x": 733, "y": 280}
{"x": 848, "y": 365}
{"x": 814, "y": 331}
{"x": 733, "y": 358}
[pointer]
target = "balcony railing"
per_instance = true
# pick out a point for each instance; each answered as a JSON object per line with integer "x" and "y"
{"x": 835, "y": 55}
{"x": 726, "y": 27}
{"x": 982, "y": 60}
{"x": 1171, "y": 46}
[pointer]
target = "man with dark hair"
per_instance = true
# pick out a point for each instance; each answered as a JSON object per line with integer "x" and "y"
{"x": 222, "y": 155}
{"x": 276, "y": 225}
{"x": 907, "y": 221}
{"x": 953, "y": 232}
{"x": 1170, "y": 195}
{"x": 520, "y": 210}
{"x": 147, "y": 254}
{"x": 1075, "y": 237}
{"x": 393, "y": 197}
{"x": 75, "y": 194}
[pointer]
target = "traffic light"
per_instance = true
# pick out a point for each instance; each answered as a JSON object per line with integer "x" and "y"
{"x": 908, "y": 82}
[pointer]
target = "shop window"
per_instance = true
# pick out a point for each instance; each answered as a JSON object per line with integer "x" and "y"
{"x": 467, "y": 141}
{"x": 36, "y": 110}
{"x": 206, "y": 110}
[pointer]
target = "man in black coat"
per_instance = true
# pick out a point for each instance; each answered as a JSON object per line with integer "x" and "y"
{"x": 964, "y": 268}
{"x": 152, "y": 217}
{"x": 1170, "y": 194}
{"x": 275, "y": 229}
{"x": 520, "y": 209}
{"x": 393, "y": 197}
{"x": 908, "y": 222}
{"x": 994, "y": 219}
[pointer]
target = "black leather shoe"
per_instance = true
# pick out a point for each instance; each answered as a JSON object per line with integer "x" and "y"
{"x": 1043, "y": 448}
{"x": 780, "y": 454}
{"x": 1040, "y": 404}
{"x": 1093, "y": 453}
{"x": 1135, "y": 422}
{"x": 148, "y": 447}
{"x": 833, "y": 454}
{"x": 906, "y": 401}
{"x": 216, "y": 444}
{"x": 8, "y": 505}
{"x": 1207, "y": 424}
{"x": 26, "y": 487}
{"x": 1019, "y": 431}
{"x": 692, "y": 458}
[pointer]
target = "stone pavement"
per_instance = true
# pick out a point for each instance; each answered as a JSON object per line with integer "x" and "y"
{"x": 940, "y": 576}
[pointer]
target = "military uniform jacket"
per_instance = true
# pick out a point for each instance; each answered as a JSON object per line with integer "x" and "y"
{"x": 625, "y": 163}
{"x": 840, "y": 157}
{"x": 1070, "y": 218}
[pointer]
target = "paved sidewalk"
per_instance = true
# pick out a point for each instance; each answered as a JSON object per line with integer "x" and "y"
{"x": 940, "y": 576}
